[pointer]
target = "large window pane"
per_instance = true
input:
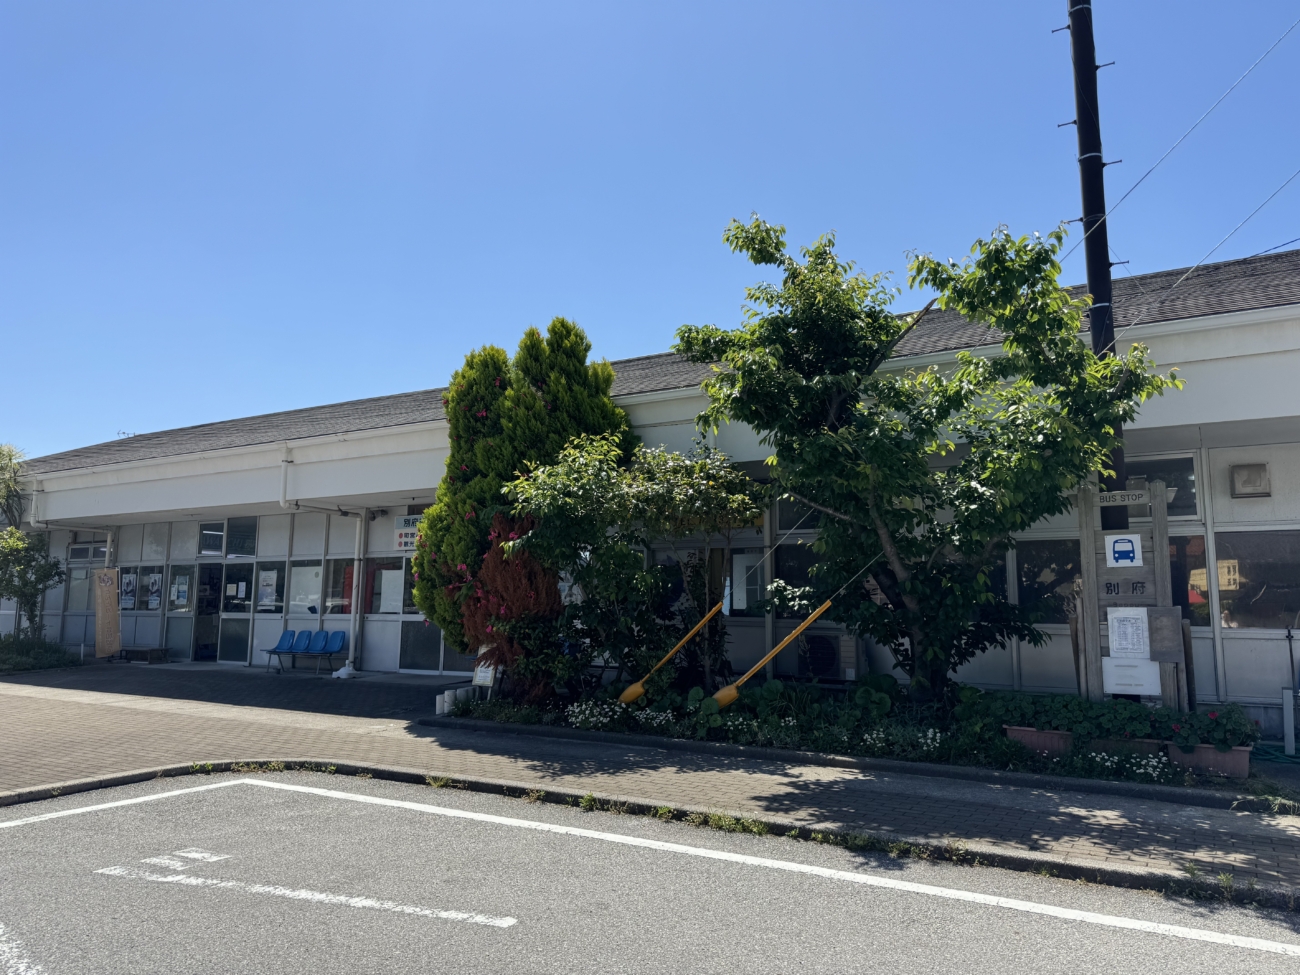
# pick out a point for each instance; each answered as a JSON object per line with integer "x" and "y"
{"x": 241, "y": 536}
{"x": 1046, "y": 570}
{"x": 1178, "y": 473}
{"x": 791, "y": 515}
{"x": 408, "y": 590}
{"x": 212, "y": 538}
{"x": 149, "y": 588}
{"x": 748, "y": 581}
{"x": 1187, "y": 577}
{"x": 421, "y": 646}
{"x": 338, "y": 589}
{"x": 234, "y": 640}
{"x": 384, "y": 584}
{"x": 180, "y": 591}
{"x": 270, "y": 587}
{"x": 304, "y": 587}
{"x": 792, "y": 565}
{"x": 1259, "y": 578}
{"x": 79, "y": 590}
{"x": 237, "y": 596}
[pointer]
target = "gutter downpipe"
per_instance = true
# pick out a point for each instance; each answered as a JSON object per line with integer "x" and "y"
{"x": 349, "y": 669}
{"x": 294, "y": 505}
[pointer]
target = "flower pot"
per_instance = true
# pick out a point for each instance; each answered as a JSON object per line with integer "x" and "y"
{"x": 1127, "y": 746}
{"x": 1044, "y": 742}
{"x": 1234, "y": 763}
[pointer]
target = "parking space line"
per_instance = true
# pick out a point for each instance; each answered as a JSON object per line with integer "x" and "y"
{"x": 13, "y": 960}
{"x": 312, "y": 896}
{"x": 44, "y": 817}
{"x": 928, "y": 890}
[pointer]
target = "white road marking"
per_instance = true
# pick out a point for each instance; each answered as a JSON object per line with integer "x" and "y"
{"x": 1029, "y": 907}
{"x": 312, "y": 896}
{"x": 170, "y": 862}
{"x": 948, "y": 893}
{"x": 43, "y": 817}
{"x": 194, "y": 853}
{"x": 13, "y": 960}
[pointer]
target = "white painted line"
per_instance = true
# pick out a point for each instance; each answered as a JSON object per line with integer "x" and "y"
{"x": 43, "y": 817}
{"x": 948, "y": 893}
{"x": 171, "y": 863}
{"x": 13, "y": 960}
{"x": 194, "y": 853}
{"x": 312, "y": 896}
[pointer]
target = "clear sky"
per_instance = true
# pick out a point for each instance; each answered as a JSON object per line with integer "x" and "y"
{"x": 210, "y": 210}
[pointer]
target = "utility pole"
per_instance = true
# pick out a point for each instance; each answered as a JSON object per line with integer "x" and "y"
{"x": 1096, "y": 246}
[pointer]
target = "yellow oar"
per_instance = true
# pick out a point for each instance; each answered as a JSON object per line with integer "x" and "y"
{"x": 635, "y": 691}
{"x": 729, "y": 693}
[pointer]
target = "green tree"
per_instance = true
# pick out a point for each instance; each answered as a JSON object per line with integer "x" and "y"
{"x": 921, "y": 475}
{"x": 502, "y": 414}
{"x": 11, "y": 492}
{"x": 27, "y": 572}
{"x": 597, "y": 520}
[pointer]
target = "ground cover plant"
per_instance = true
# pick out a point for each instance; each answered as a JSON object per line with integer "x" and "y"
{"x": 25, "y": 653}
{"x": 875, "y": 718}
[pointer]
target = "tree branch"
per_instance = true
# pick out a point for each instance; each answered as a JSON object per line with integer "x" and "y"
{"x": 826, "y": 511}
{"x": 888, "y": 350}
{"x": 901, "y": 572}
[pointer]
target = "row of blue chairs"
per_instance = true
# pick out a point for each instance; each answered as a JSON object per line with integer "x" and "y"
{"x": 321, "y": 644}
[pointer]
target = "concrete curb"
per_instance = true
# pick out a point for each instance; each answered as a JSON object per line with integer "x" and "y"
{"x": 1179, "y": 795}
{"x": 1170, "y": 881}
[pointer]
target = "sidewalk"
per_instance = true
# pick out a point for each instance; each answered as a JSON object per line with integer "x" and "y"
{"x": 60, "y": 726}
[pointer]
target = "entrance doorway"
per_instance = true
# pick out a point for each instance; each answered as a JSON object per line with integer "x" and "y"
{"x": 207, "y": 612}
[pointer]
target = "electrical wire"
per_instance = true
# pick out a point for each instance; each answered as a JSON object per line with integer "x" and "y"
{"x": 1182, "y": 138}
{"x": 1293, "y": 240}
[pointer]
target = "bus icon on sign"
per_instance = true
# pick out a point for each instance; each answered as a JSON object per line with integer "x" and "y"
{"x": 1123, "y": 550}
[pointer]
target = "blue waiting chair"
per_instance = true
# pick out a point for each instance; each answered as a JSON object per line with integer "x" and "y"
{"x": 284, "y": 646}
{"x": 304, "y": 639}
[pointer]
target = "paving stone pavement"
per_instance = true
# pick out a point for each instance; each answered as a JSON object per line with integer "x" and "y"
{"x": 63, "y": 725}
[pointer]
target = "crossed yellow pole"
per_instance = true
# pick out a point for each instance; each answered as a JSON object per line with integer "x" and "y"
{"x": 729, "y": 693}
{"x": 635, "y": 691}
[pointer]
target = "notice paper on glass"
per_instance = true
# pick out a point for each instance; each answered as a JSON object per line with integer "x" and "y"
{"x": 242, "y": 591}
{"x": 1129, "y": 636}
{"x": 390, "y": 590}
{"x": 266, "y": 584}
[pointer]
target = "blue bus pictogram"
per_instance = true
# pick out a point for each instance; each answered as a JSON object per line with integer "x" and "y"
{"x": 1121, "y": 550}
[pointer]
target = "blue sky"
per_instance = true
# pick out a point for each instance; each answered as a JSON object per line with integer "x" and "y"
{"x": 211, "y": 210}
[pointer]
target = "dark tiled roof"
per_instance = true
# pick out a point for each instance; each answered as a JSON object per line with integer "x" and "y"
{"x": 1240, "y": 285}
{"x": 1230, "y": 286}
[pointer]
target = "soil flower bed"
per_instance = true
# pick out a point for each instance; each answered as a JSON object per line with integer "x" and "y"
{"x": 874, "y": 719}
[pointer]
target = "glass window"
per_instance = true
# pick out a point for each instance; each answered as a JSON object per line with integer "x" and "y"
{"x": 233, "y": 644}
{"x": 421, "y": 646}
{"x": 79, "y": 590}
{"x": 241, "y": 536}
{"x": 149, "y": 588}
{"x": 126, "y": 583}
{"x": 1178, "y": 473}
{"x": 792, "y": 565}
{"x": 338, "y": 590}
{"x": 237, "y": 596}
{"x": 1187, "y": 577}
{"x": 408, "y": 591}
{"x": 212, "y": 538}
{"x": 270, "y": 587}
{"x": 1259, "y": 578}
{"x": 78, "y": 553}
{"x": 180, "y": 591}
{"x": 304, "y": 587}
{"x": 748, "y": 581}
{"x": 384, "y": 585}
{"x": 1046, "y": 570}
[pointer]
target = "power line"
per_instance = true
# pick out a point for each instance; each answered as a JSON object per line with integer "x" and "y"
{"x": 1277, "y": 248}
{"x": 1183, "y": 137}
{"x": 1188, "y": 272}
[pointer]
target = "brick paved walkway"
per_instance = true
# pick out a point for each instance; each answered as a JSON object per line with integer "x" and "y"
{"x": 67, "y": 725}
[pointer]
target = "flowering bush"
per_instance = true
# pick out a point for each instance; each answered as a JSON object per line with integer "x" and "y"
{"x": 596, "y": 715}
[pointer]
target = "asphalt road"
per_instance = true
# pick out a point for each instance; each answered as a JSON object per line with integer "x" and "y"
{"x": 312, "y": 873}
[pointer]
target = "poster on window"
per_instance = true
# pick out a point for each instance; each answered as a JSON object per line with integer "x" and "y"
{"x": 153, "y": 590}
{"x": 108, "y": 617}
{"x": 1127, "y": 631}
{"x": 127, "y": 599}
{"x": 266, "y": 586}
{"x": 390, "y": 590}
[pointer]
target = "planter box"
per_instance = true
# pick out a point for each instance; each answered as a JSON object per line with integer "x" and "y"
{"x": 1044, "y": 742}
{"x": 1234, "y": 763}
{"x": 1127, "y": 746}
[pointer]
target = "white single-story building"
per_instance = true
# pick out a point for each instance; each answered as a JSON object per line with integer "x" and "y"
{"x": 231, "y": 532}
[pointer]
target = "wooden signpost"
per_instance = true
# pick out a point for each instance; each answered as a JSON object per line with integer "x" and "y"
{"x": 1127, "y": 587}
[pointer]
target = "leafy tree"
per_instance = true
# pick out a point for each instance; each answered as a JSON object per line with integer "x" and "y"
{"x": 11, "y": 493}
{"x": 27, "y": 572}
{"x": 501, "y": 415}
{"x": 921, "y": 475}
{"x": 597, "y": 520}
